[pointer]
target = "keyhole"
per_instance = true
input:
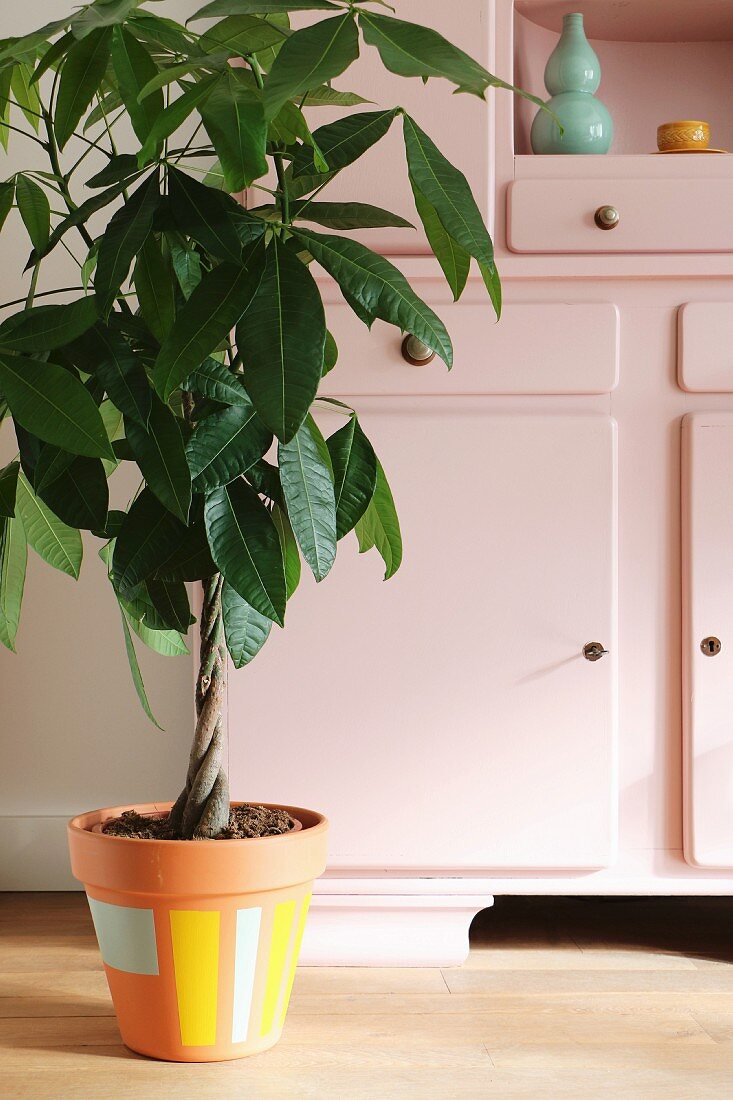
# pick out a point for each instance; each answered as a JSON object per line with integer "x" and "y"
{"x": 711, "y": 646}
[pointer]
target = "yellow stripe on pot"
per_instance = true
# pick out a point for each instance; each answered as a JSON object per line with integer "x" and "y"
{"x": 195, "y": 939}
{"x": 294, "y": 956}
{"x": 281, "y": 925}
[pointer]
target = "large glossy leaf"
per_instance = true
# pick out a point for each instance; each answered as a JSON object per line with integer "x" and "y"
{"x": 118, "y": 169}
{"x": 78, "y": 494}
{"x": 212, "y": 379}
{"x": 187, "y": 267}
{"x": 259, "y": 7}
{"x": 174, "y": 116}
{"x": 191, "y": 559}
{"x": 240, "y": 35}
{"x": 25, "y": 93}
{"x": 7, "y": 198}
{"x": 307, "y": 482}
{"x": 281, "y": 339}
{"x": 341, "y": 143}
{"x": 411, "y": 50}
{"x": 44, "y": 328}
{"x": 102, "y": 13}
{"x": 380, "y": 527}
{"x": 453, "y": 259}
{"x": 349, "y": 215}
{"x": 159, "y": 31}
{"x": 326, "y": 96}
{"x": 77, "y": 217}
{"x": 8, "y": 486}
{"x": 245, "y": 629}
{"x": 123, "y": 376}
{"x": 134, "y": 67}
{"x": 234, "y": 118}
{"x": 378, "y": 288}
{"x": 224, "y": 445}
{"x": 311, "y": 56}
{"x": 35, "y": 211}
{"x": 208, "y": 316}
{"x": 448, "y": 192}
{"x": 13, "y": 557}
{"x": 155, "y": 289}
{"x": 50, "y": 402}
{"x": 52, "y": 56}
{"x": 354, "y": 474}
{"x": 123, "y": 239}
{"x": 58, "y": 544}
{"x": 161, "y": 456}
{"x": 150, "y": 534}
{"x": 29, "y": 43}
{"x": 170, "y": 600}
{"x": 81, "y": 76}
{"x": 137, "y": 677}
{"x": 246, "y": 547}
{"x": 206, "y": 215}
{"x": 289, "y": 547}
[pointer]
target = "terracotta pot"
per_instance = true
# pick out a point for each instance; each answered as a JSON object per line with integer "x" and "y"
{"x": 199, "y": 939}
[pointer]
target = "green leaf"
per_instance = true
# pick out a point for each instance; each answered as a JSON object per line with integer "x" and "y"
{"x": 206, "y": 319}
{"x": 330, "y": 355}
{"x": 81, "y": 76}
{"x": 310, "y": 57}
{"x": 53, "y": 55}
{"x": 289, "y": 547}
{"x": 307, "y": 481}
{"x": 6, "y": 76}
{"x": 206, "y": 215}
{"x": 170, "y": 600}
{"x": 246, "y": 547}
{"x": 326, "y": 96}
{"x": 349, "y": 215}
{"x": 8, "y": 485}
{"x": 34, "y": 210}
{"x": 281, "y": 340}
{"x": 161, "y": 456}
{"x": 241, "y": 35}
{"x": 191, "y": 559}
{"x": 123, "y": 239}
{"x": 380, "y": 527}
{"x": 290, "y": 126}
{"x": 212, "y": 379}
{"x": 154, "y": 288}
{"x": 354, "y": 472}
{"x": 448, "y": 192}
{"x": 150, "y": 535}
{"x": 7, "y": 198}
{"x": 341, "y": 143}
{"x": 13, "y": 558}
{"x": 26, "y": 94}
{"x": 259, "y": 7}
{"x": 50, "y": 402}
{"x": 173, "y": 73}
{"x": 137, "y": 677}
{"x": 77, "y": 217}
{"x": 102, "y": 13}
{"x": 493, "y": 284}
{"x": 187, "y": 266}
{"x": 43, "y": 328}
{"x": 174, "y": 116}
{"x": 134, "y": 67}
{"x": 78, "y": 494}
{"x": 234, "y": 118}
{"x": 105, "y": 106}
{"x": 59, "y": 545}
{"x": 160, "y": 32}
{"x": 119, "y": 169}
{"x": 123, "y": 376}
{"x": 245, "y": 629}
{"x": 224, "y": 445}
{"x": 29, "y": 43}
{"x": 453, "y": 259}
{"x": 378, "y": 288}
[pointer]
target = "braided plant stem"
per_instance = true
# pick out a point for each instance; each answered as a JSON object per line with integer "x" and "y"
{"x": 202, "y": 808}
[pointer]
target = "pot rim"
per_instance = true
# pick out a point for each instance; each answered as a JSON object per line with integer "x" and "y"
{"x": 84, "y": 823}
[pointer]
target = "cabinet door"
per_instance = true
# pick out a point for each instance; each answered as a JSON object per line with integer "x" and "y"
{"x": 708, "y": 615}
{"x": 448, "y": 719}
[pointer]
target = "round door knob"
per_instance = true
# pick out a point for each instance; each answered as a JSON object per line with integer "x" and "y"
{"x": 607, "y": 217}
{"x": 415, "y": 352}
{"x": 593, "y": 651}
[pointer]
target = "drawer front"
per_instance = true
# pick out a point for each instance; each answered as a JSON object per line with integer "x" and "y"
{"x": 655, "y": 215}
{"x": 705, "y": 347}
{"x": 536, "y": 348}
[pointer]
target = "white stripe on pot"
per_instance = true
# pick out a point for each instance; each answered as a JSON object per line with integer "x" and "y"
{"x": 245, "y": 965}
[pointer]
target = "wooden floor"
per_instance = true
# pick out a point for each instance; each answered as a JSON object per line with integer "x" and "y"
{"x": 560, "y": 999}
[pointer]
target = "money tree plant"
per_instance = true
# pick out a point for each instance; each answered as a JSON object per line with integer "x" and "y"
{"x": 195, "y": 342}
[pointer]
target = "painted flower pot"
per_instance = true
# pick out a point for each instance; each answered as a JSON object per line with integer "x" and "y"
{"x": 199, "y": 939}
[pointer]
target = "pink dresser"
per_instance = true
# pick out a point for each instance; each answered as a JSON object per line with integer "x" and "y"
{"x": 569, "y": 483}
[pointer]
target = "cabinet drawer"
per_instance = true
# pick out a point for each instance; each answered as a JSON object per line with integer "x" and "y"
{"x": 655, "y": 215}
{"x": 705, "y": 347}
{"x": 536, "y": 348}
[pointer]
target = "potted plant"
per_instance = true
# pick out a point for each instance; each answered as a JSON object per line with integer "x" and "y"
{"x": 192, "y": 349}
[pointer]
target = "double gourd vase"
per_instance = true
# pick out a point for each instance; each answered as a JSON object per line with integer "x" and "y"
{"x": 572, "y": 76}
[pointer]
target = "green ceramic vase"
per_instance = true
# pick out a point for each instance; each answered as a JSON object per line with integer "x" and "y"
{"x": 572, "y": 75}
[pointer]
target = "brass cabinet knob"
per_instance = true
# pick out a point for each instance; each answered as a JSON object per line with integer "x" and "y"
{"x": 415, "y": 352}
{"x": 593, "y": 651}
{"x": 607, "y": 217}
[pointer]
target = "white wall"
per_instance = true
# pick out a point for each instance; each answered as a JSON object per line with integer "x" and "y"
{"x": 72, "y": 734}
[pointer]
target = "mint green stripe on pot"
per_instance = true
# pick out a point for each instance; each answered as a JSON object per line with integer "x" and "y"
{"x": 126, "y": 937}
{"x": 245, "y": 965}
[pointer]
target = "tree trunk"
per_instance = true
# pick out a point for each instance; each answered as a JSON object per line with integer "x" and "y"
{"x": 202, "y": 809}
